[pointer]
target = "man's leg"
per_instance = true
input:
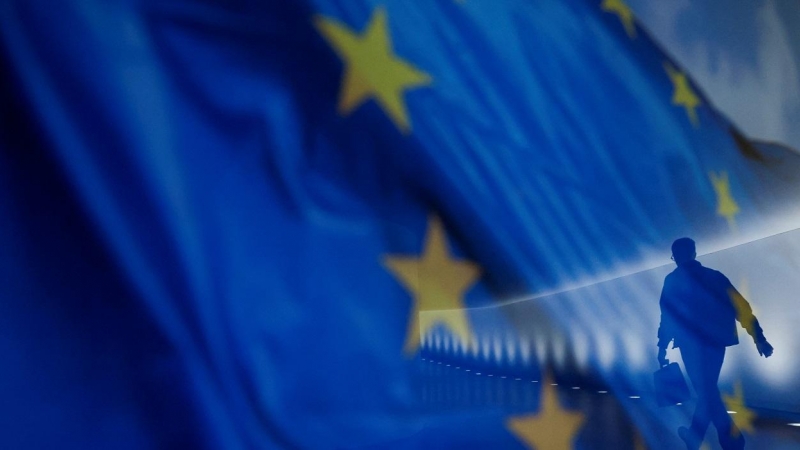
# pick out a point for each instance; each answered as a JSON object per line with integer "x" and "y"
{"x": 706, "y": 365}
{"x": 730, "y": 437}
{"x": 693, "y": 359}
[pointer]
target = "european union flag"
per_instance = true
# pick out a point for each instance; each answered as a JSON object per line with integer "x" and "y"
{"x": 347, "y": 224}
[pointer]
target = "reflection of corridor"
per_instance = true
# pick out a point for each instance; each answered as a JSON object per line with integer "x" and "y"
{"x": 444, "y": 387}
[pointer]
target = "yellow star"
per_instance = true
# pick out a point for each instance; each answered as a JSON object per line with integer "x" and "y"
{"x": 621, "y": 9}
{"x": 372, "y": 70}
{"x": 683, "y": 95}
{"x": 726, "y": 205}
{"x": 744, "y": 313}
{"x": 438, "y": 284}
{"x": 552, "y": 428}
{"x": 744, "y": 416}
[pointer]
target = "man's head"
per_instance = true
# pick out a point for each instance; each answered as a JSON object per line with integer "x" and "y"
{"x": 683, "y": 250}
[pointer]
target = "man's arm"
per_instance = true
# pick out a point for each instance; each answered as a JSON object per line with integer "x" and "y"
{"x": 665, "y": 328}
{"x": 744, "y": 314}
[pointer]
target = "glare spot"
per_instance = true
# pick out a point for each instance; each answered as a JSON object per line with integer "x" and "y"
{"x": 511, "y": 348}
{"x": 580, "y": 346}
{"x": 525, "y": 351}
{"x": 635, "y": 351}
{"x": 559, "y": 351}
{"x": 497, "y": 349}
{"x": 540, "y": 346}
{"x": 604, "y": 348}
{"x": 485, "y": 348}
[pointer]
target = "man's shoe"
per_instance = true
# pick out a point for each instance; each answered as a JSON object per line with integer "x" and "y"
{"x": 690, "y": 439}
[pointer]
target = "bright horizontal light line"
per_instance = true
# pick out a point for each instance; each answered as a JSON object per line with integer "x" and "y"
{"x": 794, "y": 424}
{"x": 634, "y": 396}
{"x": 602, "y": 392}
{"x": 553, "y": 384}
{"x": 575, "y": 387}
{"x": 731, "y": 412}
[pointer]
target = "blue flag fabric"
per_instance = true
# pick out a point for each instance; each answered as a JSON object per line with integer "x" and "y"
{"x": 243, "y": 225}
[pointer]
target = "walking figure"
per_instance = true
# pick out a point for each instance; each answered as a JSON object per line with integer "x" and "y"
{"x": 699, "y": 309}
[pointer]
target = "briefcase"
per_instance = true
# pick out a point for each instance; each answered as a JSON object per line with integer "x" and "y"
{"x": 670, "y": 385}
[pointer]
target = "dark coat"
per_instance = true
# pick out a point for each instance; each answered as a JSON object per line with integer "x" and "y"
{"x": 700, "y": 306}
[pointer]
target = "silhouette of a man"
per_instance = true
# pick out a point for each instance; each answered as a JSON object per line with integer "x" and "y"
{"x": 699, "y": 309}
